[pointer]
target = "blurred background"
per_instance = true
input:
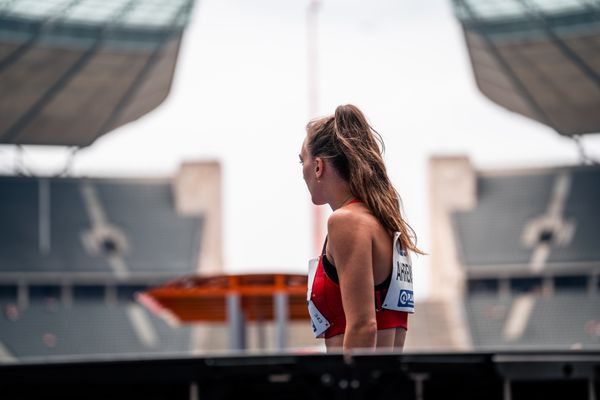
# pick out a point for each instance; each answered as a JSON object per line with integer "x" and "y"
{"x": 144, "y": 142}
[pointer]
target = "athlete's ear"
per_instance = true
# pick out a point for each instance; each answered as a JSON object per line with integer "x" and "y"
{"x": 319, "y": 167}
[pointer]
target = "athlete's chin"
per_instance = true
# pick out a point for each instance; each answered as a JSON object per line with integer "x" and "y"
{"x": 318, "y": 202}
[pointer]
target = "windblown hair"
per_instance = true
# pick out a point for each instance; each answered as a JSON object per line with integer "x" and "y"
{"x": 355, "y": 150}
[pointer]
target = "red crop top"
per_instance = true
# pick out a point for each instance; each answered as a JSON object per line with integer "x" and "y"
{"x": 327, "y": 298}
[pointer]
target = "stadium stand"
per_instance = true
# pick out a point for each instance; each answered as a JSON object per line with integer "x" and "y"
{"x": 91, "y": 220}
{"x": 582, "y": 206}
{"x": 519, "y": 247}
{"x": 516, "y": 205}
{"x": 48, "y": 328}
{"x": 77, "y": 251}
{"x": 155, "y": 248}
{"x": 531, "y": 259}
{"x": 523, "y": 197}
{"x": 563, "y": 320}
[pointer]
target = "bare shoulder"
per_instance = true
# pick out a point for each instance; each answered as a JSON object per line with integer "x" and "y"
{"x": 351, "y": 232}
{"x": 347, "y": 223}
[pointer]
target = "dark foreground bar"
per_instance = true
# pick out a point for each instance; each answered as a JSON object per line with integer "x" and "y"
{"x": 506, "y": 376}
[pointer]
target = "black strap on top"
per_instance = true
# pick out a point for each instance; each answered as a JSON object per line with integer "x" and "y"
{"x": 329, "y": 268}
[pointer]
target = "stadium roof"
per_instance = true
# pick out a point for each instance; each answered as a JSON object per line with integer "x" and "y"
{"x": 538, "y": 58}
{"x": 128, "y": 13}
{"x": 489, "y": 10}
{"x": 73, "y": 70}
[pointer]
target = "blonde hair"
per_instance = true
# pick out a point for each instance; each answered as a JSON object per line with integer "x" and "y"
{"x": 355, "y": 150}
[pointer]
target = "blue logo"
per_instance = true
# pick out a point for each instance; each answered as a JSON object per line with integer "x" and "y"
{"x": 406, "y": 299}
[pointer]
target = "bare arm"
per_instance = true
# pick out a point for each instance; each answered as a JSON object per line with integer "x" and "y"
{"x": 351, "y": 251}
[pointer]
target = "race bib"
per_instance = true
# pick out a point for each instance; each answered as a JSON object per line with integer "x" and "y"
{"x": 400, "y": 295}
{"x": 318, "y": 321}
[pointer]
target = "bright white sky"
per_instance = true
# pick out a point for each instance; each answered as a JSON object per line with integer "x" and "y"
{"x": 240, "y": 96}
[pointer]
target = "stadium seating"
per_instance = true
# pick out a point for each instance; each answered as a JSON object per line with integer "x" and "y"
{"x": 503, "y": 204}
{"x": 161, "y": 240}
{"x": 156, "y": 244}
{"x": 158, "y": 240}
{"x": 48, "y": 328}
{"x": 567, "y": 320}
{"x": 582, "y": 206}
{"x": 552, "y": 305}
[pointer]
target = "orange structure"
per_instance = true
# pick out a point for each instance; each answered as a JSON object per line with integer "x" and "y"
{"x": 197, "y": 298}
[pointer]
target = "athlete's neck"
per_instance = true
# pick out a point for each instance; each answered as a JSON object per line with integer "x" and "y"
{"x": 342, "y": 201}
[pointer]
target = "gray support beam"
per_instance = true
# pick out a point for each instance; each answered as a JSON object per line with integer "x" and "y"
{"x": 44, "y": 216}
{"x": 236, "y": 322}
{"x": 110, "y": 293}
{"x": 66, "y": 294}
{"x": 419, "y": 379}
{"x": 593, "y": 281}
{"x": 261, "y": 335}
{"x": 194, "y": 391}
{"x": 506, "y": 390}
{"x": 22, "y": 295}
{"x": 504, "y": 288}
{"x": 281, "y": 319}
{"x": 548, "y": 286}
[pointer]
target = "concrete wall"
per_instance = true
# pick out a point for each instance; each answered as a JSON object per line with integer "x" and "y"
{"x": 452, "y": 187}
{"x": 197, "y": 189}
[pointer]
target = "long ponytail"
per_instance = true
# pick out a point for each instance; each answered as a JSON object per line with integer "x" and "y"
{"x": 355, "y": 149}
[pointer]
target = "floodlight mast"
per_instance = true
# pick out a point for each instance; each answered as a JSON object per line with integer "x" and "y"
{"x": 312, "y": 57}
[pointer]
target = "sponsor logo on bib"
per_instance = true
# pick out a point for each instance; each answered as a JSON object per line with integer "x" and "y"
{"x": 406, "y": 299}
